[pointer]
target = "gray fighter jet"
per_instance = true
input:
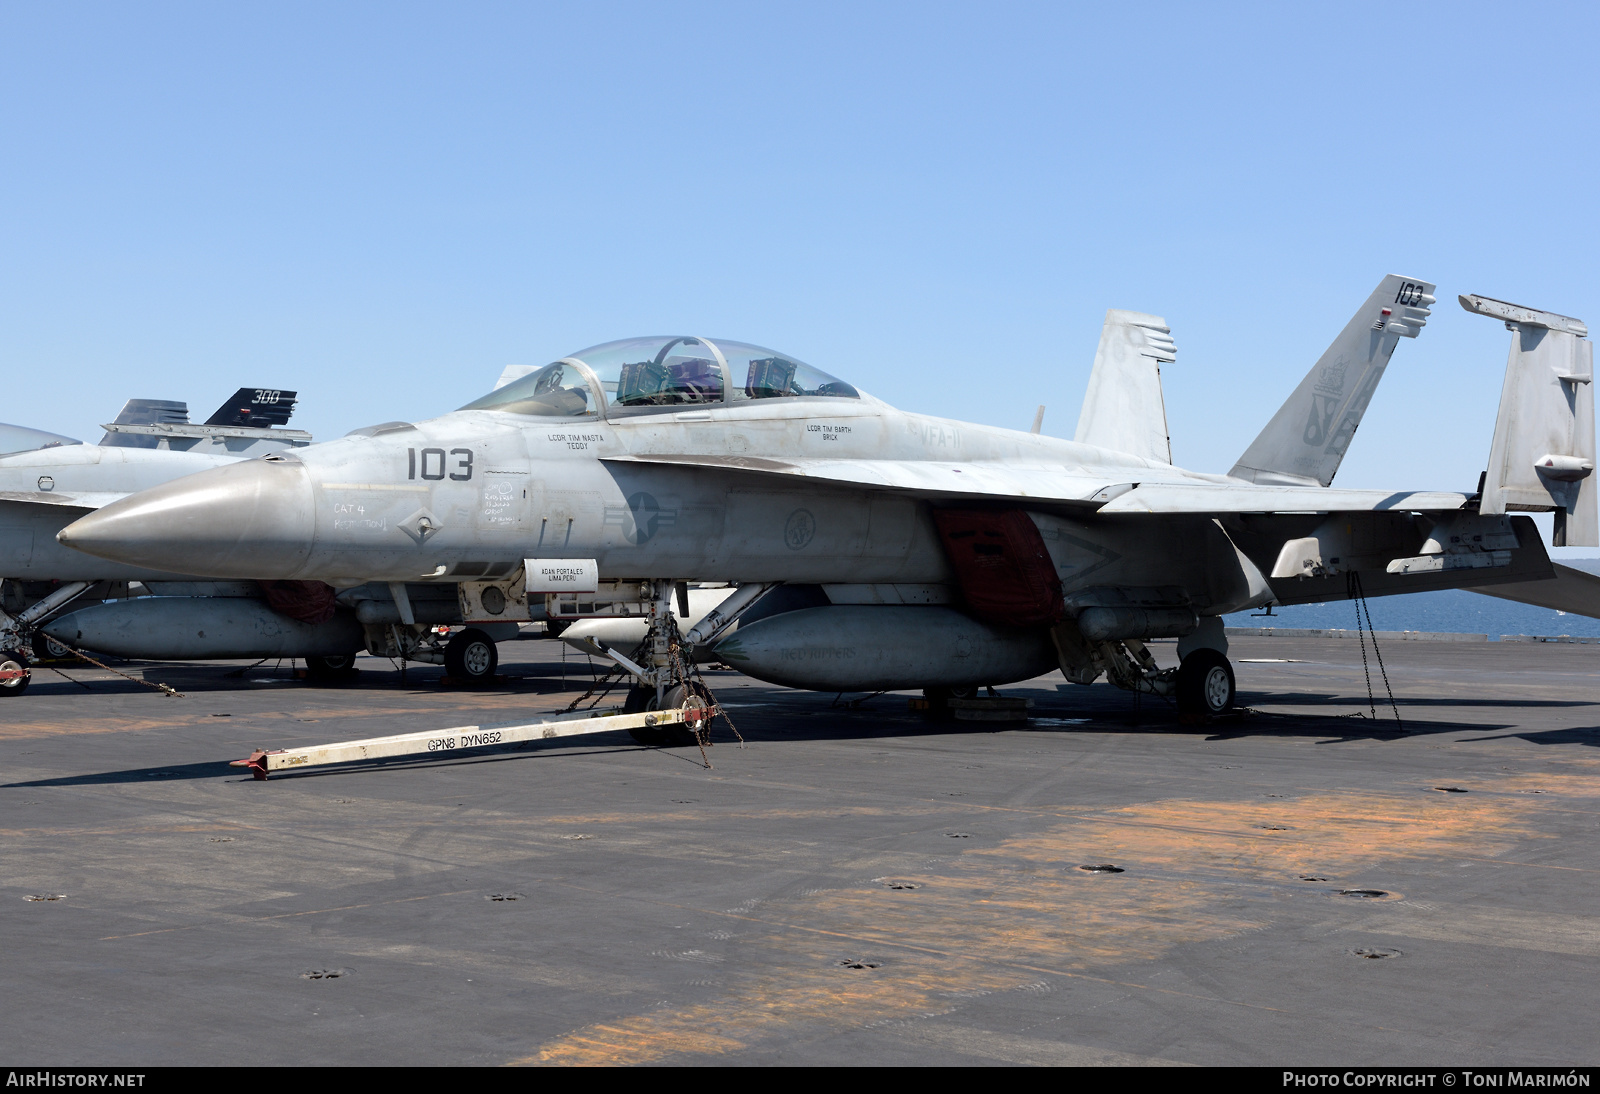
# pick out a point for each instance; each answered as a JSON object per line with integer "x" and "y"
{"x": 878, "y": 549}
{"x": 47, "y": 481}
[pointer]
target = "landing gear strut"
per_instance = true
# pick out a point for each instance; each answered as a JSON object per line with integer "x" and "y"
{"x": 1202, "y": 684}
{"x": 663, "y": 671}
{"x": 17, "y": 634}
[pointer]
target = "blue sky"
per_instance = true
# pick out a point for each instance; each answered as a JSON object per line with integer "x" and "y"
{"x": 381, "y": 205}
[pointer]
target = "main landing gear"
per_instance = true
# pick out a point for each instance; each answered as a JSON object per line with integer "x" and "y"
{"x": 471, "y": 655}
{"x": 1205, "y": 683}
{"x": 1202, "y": 685}
{"x": 338, "y": 666}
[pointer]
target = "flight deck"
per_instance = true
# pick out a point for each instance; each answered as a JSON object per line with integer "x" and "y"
{"x": 1302, "y": 884}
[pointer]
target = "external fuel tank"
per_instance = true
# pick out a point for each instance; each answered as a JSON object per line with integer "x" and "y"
{"x": 885, "y": 648}
{"x": 186, "y": 628}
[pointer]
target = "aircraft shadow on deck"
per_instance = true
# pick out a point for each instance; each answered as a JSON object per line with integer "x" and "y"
{"x": 1279, "y": 698}
{"x": 827, "y": 724}
{"x": 786, "y": 716}
{"x": 1572, "y": 735}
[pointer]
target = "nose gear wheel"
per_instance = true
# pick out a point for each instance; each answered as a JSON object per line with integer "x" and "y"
{"x": 14, "y": 666}
{"x": 663, "y": 679}
{"x": 695, "y": 730}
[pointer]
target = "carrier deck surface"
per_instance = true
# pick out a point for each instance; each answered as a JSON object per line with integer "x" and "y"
{"x": 854, "y": 886}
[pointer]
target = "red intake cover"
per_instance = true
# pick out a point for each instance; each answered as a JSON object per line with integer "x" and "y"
{"x": 1005, "y": 571}
{"x": 307, "y": 601}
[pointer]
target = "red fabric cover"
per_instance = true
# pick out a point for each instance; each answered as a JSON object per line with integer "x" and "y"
{"x": 307, "y": 601}
{"x": 1004, "y": 569}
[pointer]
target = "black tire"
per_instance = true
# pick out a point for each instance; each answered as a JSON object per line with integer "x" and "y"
{"x": 471, "y": 655}
{"x": 11, "y": 660}
{"x": 339, "y": 666}
{"x": 673, "y": 736}
{"x": 46, "y": 648}
{"x": 1205, "y": 684}
{"x": 939, "y": 701}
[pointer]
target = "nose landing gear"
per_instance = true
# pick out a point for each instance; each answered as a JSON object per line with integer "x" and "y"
{"x": 14, "y": 674}
{"x": 665, "y": 678}
{"x": 695, "y": 699}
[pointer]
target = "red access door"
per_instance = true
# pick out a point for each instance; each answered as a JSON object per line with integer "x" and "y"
{"x": 1005, "y": 571}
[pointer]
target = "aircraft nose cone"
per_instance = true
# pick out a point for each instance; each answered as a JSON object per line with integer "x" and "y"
{"x": 253, "y": 519}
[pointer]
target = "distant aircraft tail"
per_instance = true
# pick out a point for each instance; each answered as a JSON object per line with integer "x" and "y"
{"x": 145, "y": 412}
{"x": 1543, "y": 455}
{"x": 256, "y": 407}
{"x": 1306, "y": 440}
{"x": 1123, "y": 409}
{"x": 164, "y": 423}
{"x": 511, "y": 373}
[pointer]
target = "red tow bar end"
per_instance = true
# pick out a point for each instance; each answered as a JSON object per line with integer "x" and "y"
{"x": 256, "y": 762}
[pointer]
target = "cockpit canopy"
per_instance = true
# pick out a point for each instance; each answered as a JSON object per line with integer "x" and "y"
{"x": 638, "y": 375}
{"x": 19, "y": 438}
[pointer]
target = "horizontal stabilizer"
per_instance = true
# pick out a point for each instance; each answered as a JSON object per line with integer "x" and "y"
{"x": 1306, "y": 440}
{"x": 1123, "y": 409}
{"x": 1572, "y": 591}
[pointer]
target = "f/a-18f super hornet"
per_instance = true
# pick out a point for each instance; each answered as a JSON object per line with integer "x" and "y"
{"x": 47, "y": 481}
{"x": 877, "y": 549}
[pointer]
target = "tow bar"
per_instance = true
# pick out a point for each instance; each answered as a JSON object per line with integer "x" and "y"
{"x": 440, "y": 741}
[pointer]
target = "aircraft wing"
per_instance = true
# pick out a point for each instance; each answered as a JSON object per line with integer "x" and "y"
{"x": 79, "y": 500}
{"x": 1052, "y": 484}
{"x": 1161, "y": 497}
{"x": 956, "y": 478}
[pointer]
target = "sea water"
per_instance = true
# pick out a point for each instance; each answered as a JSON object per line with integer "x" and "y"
{"x": 1450, "y": 610}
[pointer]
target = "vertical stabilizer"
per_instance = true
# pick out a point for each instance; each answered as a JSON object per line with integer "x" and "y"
{"x": 1542, "y": 457}
{"x": 1306, "y": 440}
{"x": 512, "y": 372}
{"x": 256, "y": 408}
{"x": 146, "y": 412}
{"x": 1123, "y": 409}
